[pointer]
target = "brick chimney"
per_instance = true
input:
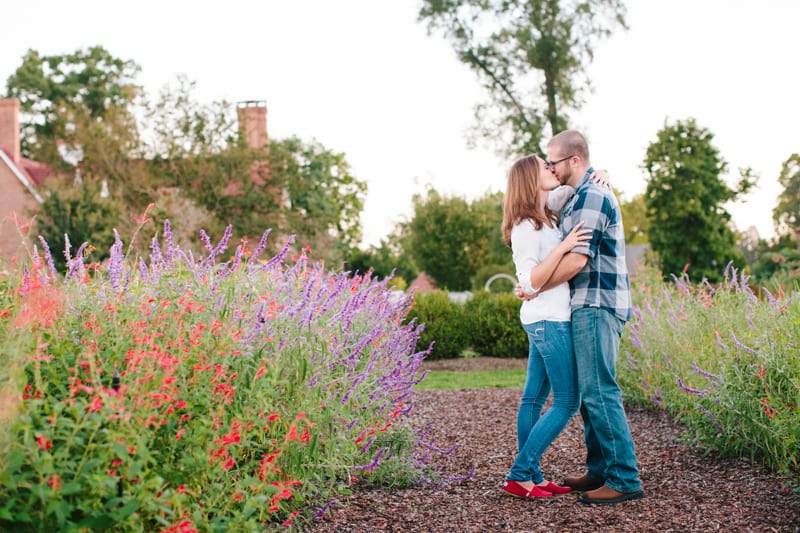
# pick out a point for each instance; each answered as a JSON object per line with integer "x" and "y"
{"x": 9, "y": 127}
{"x": 252, "y": 116}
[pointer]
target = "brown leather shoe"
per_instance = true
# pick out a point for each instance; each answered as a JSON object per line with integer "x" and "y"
{"x": 606, "y": 495}
{"x": 582, "y": 483}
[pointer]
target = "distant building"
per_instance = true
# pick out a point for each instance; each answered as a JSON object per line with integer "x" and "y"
{"x": 22, "y": 178}
{"x": 19, "y": 180}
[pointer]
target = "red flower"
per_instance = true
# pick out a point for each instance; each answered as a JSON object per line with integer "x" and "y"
{"x": 43, "y": 442}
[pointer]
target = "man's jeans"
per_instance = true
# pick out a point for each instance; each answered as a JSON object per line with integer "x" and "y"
{"x": 610, "y": 454}
{"x": 551, "y": 363}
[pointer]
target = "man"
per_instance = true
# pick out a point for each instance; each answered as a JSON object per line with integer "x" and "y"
{"x": 600, "y": 305}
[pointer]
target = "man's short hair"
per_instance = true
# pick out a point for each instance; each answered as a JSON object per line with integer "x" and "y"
{"x": 571, "y": 142}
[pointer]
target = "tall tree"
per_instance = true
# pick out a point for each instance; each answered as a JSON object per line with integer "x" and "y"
{"x": 531, "y": 57}
{"x": 451, "y": 239}
{"x": 787, "y": 213}
{"x": 47, "y": 86}
{"x": 689, "y": 228}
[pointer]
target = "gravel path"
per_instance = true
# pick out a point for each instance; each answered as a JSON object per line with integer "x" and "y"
{"x": 685, "y": 491}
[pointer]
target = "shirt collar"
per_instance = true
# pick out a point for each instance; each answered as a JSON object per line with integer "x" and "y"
{"x": 585, "y": 178}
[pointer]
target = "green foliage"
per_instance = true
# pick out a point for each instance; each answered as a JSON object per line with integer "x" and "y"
{"x": 531, "y": 57}
{"x": 445, "y": 322}
{"x": 495, "y": 325}
{"x": 323, "y": 200}
{"x": 634, "y": 216}
{"x": 450, "y": 239}
{"x": 787, "y": 213}
{"x": 781, "y": 260}
{"x": 383, "y": 260}
{"x": 689, "y": 228}
{"x": 90, "y": 79}
{"x": 78, "y": 211}
{"x": 721, "y": 360}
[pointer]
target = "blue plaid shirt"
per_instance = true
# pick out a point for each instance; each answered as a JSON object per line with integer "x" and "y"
{"x": 603, "y": 282}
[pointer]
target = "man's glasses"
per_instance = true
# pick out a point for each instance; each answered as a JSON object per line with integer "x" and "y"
{"x": 552, "y": 164}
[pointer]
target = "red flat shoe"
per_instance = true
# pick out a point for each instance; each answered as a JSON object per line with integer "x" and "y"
{"x": 555, "y": 489}
{"x": 539, "y": 492}
{"x": 515, "y": 489}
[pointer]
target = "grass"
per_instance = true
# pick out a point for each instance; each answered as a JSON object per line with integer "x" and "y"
{"x": 448, "y": 380}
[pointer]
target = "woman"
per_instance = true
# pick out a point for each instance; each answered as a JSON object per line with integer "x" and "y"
{"x": 530, "y": 227}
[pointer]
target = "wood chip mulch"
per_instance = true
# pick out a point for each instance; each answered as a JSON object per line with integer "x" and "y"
{"x": 685, "y": 491}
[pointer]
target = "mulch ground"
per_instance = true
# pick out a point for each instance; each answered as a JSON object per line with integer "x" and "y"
{"x": 685, "y": 490}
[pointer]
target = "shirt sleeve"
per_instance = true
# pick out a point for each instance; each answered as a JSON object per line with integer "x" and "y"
{"x": 558, "y": 197}
{"x": 593, "y": 208}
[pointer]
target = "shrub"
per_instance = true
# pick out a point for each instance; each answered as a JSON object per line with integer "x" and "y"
{"x": 493, "y": 320}
{"x": 721, "y": 360}
{"x": 444, "y": 324}
{"x": 199, "y": 393}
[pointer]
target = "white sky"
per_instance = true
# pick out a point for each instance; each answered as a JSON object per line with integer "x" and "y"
{"x": 363, "y": 77}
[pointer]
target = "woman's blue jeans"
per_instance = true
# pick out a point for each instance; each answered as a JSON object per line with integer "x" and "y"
{"x": 551, "y": 364}
{"x": 610, "y": 454}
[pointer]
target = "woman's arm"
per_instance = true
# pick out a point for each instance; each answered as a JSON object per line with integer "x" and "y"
{"x": 541, "y": 273}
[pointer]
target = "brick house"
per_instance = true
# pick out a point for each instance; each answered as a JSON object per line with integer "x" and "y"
{"x": 19, "y": 180}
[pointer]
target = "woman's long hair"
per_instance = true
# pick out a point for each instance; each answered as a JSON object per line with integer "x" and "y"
{"x": 520, "y": 202}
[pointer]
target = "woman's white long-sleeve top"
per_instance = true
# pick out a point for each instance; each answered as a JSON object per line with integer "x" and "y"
{"x": 530, "y": 247}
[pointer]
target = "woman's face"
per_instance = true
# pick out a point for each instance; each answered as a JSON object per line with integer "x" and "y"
{"x": 547, "y": 180}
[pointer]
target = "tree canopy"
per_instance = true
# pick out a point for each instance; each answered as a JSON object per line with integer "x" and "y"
{"x": 531, "y": 57}
{"x": 787, "y": 213}
{"x": 451, "y": 239}
{"x": 48, "y": 86}
{"x": 689, "y": 228}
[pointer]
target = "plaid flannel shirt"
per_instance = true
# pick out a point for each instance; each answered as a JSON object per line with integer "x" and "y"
{"x": 603, "y": 282}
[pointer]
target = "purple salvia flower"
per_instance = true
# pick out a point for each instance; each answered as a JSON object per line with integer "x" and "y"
{"x": 632, "y": 361}
{"x": 77, "y": 263}
{"x": 431, "y": 446}
{"x": 26, "y": 277}
{"x": 50, "y": 264}
{"x": 710, "y": 415}
{"x": 366, "y": 446}
{"x": 155, "y": 254}
{"x": 206, "y": 241}
{"x": 727, "y": 270}
{"x": 740, "y": 345}
{"x": 375, "y": 461}
{"x": 324, "y": 509}
{"x": 703, "y": 373}
{"x": 678, "y": 283}
{"x": 279, "y": 257}
{"x": 262, "y": 245}
{"x": 116, "y": 262}
{"x": 688, "y": 389}
{"x": 650, "y": 309}
{"x": 719, "y": 341}
{"x": 67, "y": 248}
{"x": 169, "y": 242}
{"x": 143, "y": 270}
{"x": 222, "y": 245}
{"x": 667, "y": 360}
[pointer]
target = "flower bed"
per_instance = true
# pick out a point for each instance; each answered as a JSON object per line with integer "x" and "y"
{"x": 199, "y": 394}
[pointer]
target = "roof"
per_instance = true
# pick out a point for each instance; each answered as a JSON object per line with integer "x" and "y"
{"x": 30, "y": 173}
{"x": 37, "y": 172}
